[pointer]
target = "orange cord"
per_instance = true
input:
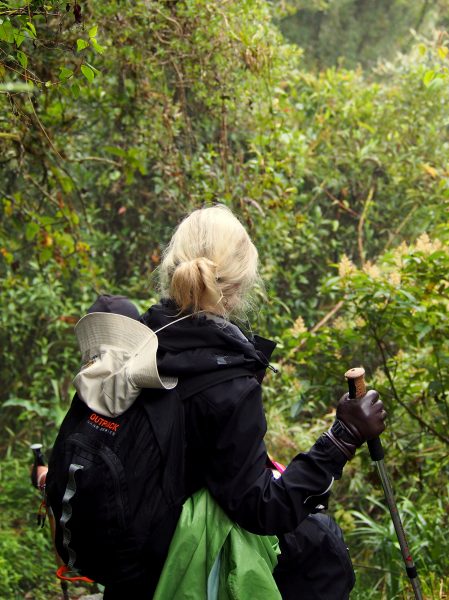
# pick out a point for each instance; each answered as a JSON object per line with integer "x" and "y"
{"x": 62, "y": 573}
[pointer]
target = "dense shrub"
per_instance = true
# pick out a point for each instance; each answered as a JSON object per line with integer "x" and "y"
{"x": 117, "y": 118}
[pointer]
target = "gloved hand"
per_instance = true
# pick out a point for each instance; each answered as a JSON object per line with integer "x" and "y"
{"x": 39, "y": 476}
{"x": 357, "y": 421}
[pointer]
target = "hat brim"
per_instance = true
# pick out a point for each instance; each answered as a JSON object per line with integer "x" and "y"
{"x": 97, "y": 330}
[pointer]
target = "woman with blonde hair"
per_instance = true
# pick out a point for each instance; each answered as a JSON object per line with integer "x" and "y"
{"x": 207, "y": 271}
{"x": 210, "y": 263}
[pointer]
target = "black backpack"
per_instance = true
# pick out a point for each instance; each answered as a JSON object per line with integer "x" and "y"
{"x": 115, "y": 483}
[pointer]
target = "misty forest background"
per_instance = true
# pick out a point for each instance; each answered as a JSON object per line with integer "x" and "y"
{"x": 325, "y": 126}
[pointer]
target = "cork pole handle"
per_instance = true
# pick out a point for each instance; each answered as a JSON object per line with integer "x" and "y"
{"x": 357, "y": 389}
{"x": 356, "y": 382}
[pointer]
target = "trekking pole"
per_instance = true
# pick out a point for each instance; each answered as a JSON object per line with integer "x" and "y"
{"x": 357, "y": 389}
{"x": 39, "y": 461}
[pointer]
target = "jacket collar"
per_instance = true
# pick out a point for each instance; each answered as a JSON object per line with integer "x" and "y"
{"x": 204, "y": 343}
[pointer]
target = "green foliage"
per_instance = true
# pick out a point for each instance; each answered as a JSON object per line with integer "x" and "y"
{"x": 31, "y": 25}
{"x": 356, "y": 32}
{"x": 393, "y": 317}
{"x": 26, "y": 556}
{"x": 141, "y": 111}
{"x": 37, "y": 339}
{"x": 395, "y": 314}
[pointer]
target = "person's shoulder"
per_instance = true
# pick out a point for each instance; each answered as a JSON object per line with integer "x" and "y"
{"x": 227, "y": 395}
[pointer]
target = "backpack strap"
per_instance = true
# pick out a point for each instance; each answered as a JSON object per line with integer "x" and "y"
{"x": 193, "y": 385}
{"x": 165, "y": 411}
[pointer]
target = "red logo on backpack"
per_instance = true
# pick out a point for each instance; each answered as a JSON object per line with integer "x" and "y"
{"x": 100, "y": 422}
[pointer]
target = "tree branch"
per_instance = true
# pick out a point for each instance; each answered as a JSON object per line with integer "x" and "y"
{"x": 368, "y": 202}
{"x": 340, "y": 203}
{"x": 107, "y": 161}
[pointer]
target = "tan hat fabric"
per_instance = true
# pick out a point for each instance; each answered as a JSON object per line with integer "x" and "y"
{"x": 119, "y": 356}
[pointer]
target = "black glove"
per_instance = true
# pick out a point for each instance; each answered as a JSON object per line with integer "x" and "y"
{"x": 357, "y": 421}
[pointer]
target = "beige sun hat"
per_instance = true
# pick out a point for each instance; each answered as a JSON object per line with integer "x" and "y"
{"x": 119, "y": 359}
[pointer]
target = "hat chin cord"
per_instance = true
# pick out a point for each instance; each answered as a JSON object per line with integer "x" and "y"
{"x": 180, "y": 319}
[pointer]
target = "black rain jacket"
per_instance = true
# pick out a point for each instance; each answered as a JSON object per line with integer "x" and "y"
{"x": 225, "y": 426}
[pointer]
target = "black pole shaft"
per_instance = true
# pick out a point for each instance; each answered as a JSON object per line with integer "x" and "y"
{"x": 400, "y": 533}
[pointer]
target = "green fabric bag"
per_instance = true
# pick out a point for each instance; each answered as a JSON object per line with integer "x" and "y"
{"x": 212, "y": 558}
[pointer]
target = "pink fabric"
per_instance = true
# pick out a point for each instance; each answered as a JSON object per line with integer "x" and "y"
{"x": 278, "y": 466}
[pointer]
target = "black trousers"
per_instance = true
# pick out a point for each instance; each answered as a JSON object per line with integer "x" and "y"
{"x": 314, "y": 563}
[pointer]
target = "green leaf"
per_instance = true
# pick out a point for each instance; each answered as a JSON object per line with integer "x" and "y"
{"x": 115, "y": 150}
{"x": 31, "y": 231}
{"x": 436, "y": 84}
{"x": 7, "y": 32}
{"x": 31, "y": 28}
{"x": 429, "y": 76}
{"x": 422, "y": 49}
{"x": 423, "y": 331}
{"x": 296, "y": 409}
{"x": 28, "y": 405}
{"x": 442, "y": 52}
{"x": 93, "y": 31}
{"x": 19, "y": 37}
{"x": 45, "y": 255}
{"x": 65, "y": 73}
{"x": 47, "y": 221}
{"x": 96, "y": 71}
{"x": 88, "y": 73}
{"x": 81, "y": 44}
{"x": 22, "y": 58}
{"x": 75, "y": 90}
{"x": 96, "y": 46}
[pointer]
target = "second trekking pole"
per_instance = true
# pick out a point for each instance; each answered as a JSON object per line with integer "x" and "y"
{"x": 357, "y": 389}
{"x": 39, "y": 461}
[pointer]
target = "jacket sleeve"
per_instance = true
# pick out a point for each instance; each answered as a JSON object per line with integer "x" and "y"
{"x": 236, "y": 458}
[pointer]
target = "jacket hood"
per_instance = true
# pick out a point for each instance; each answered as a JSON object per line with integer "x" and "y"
{"x": 186, "y": 346}
{"x": 203, "y": 343}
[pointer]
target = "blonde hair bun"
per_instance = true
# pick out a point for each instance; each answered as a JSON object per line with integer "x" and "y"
{"x": 210, "y": 263}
